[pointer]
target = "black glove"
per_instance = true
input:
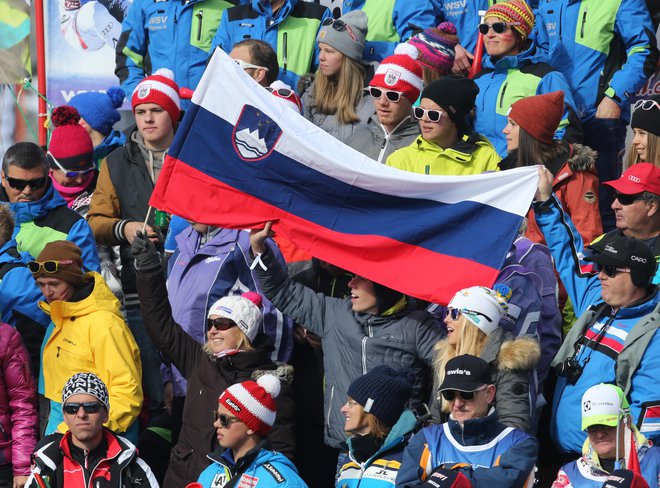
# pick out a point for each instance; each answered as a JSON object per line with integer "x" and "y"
{"x": 147, "y": 257}
{"x": 447, "y": 478}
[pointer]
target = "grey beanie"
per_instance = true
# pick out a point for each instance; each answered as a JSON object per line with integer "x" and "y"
{"x": 341, "y": 39}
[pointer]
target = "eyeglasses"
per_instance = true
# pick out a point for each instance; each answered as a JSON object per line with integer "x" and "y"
{"x": 646, "y": 104}
{"x": 70, "y": 174}
{"x": 391, "y": 95}
{"x": 225, "y": 420}
{"x": 626, "y": 200}
{"x": 339, "y": 25}
{"x": 19, "y": 184}
{"x": 498, "y": 27}
{"x": 89, "y": 407}
{"x": 432, "y": 115}
{"x": 48, "y": 266}
{"x": 454, "y": 313}
{"x": 611, "y": 271}
{"x": 246, "y": 65}
{"x": 220, "y": 323}
{"x": 599, "y": 428}
{"x": 467, "y": 396}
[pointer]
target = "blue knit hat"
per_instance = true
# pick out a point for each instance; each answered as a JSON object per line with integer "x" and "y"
{"x": 100, "y": 109}
{"x": 383, "y": 392}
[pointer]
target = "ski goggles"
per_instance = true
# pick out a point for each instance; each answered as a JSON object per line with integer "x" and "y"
{"x": 70, "y": 174}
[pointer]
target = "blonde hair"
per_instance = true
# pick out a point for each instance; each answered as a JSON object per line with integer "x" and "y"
{"x": 377, "y": 428}
{"x": 243, "y": 344}
{"x": 340, "y": 94}
{"x": 652, "y": 148}
{"x": 471, "y": 340}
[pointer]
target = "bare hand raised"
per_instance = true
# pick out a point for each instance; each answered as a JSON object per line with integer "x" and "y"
{"x": 258, "y": 237}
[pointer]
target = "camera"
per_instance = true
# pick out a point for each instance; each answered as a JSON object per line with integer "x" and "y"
{"x": 570, "y": 369}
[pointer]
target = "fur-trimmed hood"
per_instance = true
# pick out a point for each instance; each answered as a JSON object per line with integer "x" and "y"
{"x": 284, "y": 373}
{"x": 583, "y": 158}
{"x": 520, "y": 354}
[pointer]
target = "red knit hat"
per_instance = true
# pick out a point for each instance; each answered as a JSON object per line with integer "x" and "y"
{"x": 400, "y": 72}
{"x": 539, "y": 116}
{"x": 160, "y": 89}
{"x": 253, "y": 402}
{"x": 70, "y": 144}
{"x": 514, "y": 11}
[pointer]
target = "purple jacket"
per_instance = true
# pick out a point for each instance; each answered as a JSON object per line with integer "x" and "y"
{"x": 199, "y": 276}
{"x": 18, "y": 403}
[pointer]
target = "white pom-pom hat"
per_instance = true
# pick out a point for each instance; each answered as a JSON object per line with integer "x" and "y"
{"x": 253, "y": 402}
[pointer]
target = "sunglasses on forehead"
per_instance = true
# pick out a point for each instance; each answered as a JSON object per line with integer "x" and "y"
{"x": 72, "y": 408}
{"x": 220, "y": 323}
{"x": 67, "y": 173}
{"x": 339, "y": 25}
{"x": 224, "y": 420}
{"x": 20, "y": 184}
{"x": 498, "y": 27}
{"x": 646, "y": 104}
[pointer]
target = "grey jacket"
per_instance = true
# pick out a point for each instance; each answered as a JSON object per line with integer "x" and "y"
{"x": 372, "y": 141}
{"x": 353, "y": 343}
{"x": 329, "y": 123}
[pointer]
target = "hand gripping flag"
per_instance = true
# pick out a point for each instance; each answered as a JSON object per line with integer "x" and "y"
{"x": 241, "y": 158}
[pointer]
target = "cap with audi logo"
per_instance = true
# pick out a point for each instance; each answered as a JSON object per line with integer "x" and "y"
{"x": 638, "y": 178}
{"x": 625, "y": 251}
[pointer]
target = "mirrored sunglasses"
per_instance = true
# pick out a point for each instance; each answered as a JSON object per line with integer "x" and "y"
{"x": 70, "y": 174}
{"x": 391, "y": 95}
{"x": 432, "y": 115}
{"x": 72, "y": 408}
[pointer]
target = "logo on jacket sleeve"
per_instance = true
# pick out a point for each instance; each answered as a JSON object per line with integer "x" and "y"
{"x": 255, "y": 134}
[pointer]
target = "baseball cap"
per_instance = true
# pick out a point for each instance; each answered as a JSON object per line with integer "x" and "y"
{"x": 466, "y": 373}
{"x": 603, "y": 404}
{"x": 638, "y": 178}
{"x": 625, "y": 251}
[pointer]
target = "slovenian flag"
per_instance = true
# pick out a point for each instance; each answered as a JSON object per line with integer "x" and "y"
{"x": 240, "y": 158}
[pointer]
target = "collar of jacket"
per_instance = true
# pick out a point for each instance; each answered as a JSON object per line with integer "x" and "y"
{"x": 262, "y": 7}
{"x": 407, "y": 126}
{"x": 476, "y": 431}
{"x": 515, "y": 61}
{"x": 187, "y": 241}
{"x": 460, "y": 151}
{"x": 29, "y": 211}
{"x": 226, "y": 458}
{"x": 400, "y": 431}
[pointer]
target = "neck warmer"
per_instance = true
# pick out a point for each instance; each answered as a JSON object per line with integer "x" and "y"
{"x": 69, "y": 193}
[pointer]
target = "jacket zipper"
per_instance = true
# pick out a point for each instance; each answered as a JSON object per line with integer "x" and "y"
{"x": 332, "y": 396}
{"x": 200, "y": 16}
{"x": 503, "y": 92}
{"x": 284, "y": 56}
{"x": 364, "y": 349}
{"x": 561, "y": 11}
{"x": 584, "y": 21}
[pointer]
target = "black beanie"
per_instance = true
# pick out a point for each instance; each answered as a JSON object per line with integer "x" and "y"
{"x": 648, "y": 120}
{"x": 383, "y": 392}
{"x": 455, "y": 94}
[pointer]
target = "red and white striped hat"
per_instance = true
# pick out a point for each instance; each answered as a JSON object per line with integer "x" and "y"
{"x": 400, "y": 72}
{"x": 253, "y": 402}
{"x": 161, "y": 89}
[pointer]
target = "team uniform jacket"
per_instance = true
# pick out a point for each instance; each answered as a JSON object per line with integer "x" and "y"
{"x": 49, "y": 219}
{"x": 91, "y": 335}
{"x": 121, "y": 468}
{"x": 620, "y": 347}
{"x": 381, "y": 469}
{"x": 353, "y": 343}
{"x": 291, "y": 32}
{"x": 169, "y": 34}
{"x": 510, "y": 79}
{"x": 471, "y": 155}
{"x": 373, "y": 141}
{"x": 18, "y": 403}
{"x": 464, "y": 14}
{"x": 259, "y": 468}
{"x": 391, "y": 22}
{"x": 602, "y": 49}
{"x": 499, "y": 456}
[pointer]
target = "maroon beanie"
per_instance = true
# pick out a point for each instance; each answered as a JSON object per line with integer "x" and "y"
{"x": 69, "y": 267}
{"x": 70, "y": 144}
{"x": 539, "y": 116}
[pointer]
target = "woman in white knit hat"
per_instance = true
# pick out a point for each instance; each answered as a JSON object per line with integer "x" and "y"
{"x": 472, "y": 321}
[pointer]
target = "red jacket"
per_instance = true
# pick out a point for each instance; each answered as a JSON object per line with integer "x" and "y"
{"x": 576, "y": 186}
{"x": 18, "y": 403}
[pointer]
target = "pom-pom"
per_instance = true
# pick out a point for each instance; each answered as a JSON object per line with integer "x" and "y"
{"x": 254, "y": 297}
{"x": 447, "y": 28}
{"x": 408, "y": 50}
{"x": 167, "y": 73}
{"x": 116, "y": 95}
{"x": 65, "y": 115}
{"x": 270, "y": 383}
{"x": 503, "y": 291}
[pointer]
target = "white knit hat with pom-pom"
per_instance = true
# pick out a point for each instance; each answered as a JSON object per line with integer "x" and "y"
{"x": 253, "y": 402}
{"x": 161, "y": 89}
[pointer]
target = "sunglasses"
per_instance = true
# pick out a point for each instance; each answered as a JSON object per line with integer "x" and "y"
{"x": 432, "y": 115}
{"x": 646, "y": 104}
{"x": 246, "y": 65}
{"x": 599, "y": 428}
{"x": 626, "y": 200}
{"x": 34, "y": 184}
{"x": 454, "y": 313}
{"x": 70, "y": 174}
{"x": 89, "y": 407}
{"x": 225, "y": 420}
{"x": 498, "y": 27}
{"x": 339, "y": 25}
{"x": 48, "y": 266}
{"x": 467, "y": 396}
{"x": 391, "y": 95}
{"x": 220, "y": 323}
{"x": 283, "y": 92}
{"x": 611, "y": 271}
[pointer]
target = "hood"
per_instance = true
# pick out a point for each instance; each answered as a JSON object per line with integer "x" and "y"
{"x": 188, "y": 238}
{"x": 284, "y": 373}
{"x": 519, "y": 354}
{"x": 154, "y": 159}
{"x": 9, "y": 253}
{"x": 407, "y": 127}
{"x": 111, "y": 142}
{"x": 29, "y": 211}
{"x": 100, "y": 299}
{"x": 263, "y": 8}
{"x": 523, "y": 58}
{"x": 583, "y": 158}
